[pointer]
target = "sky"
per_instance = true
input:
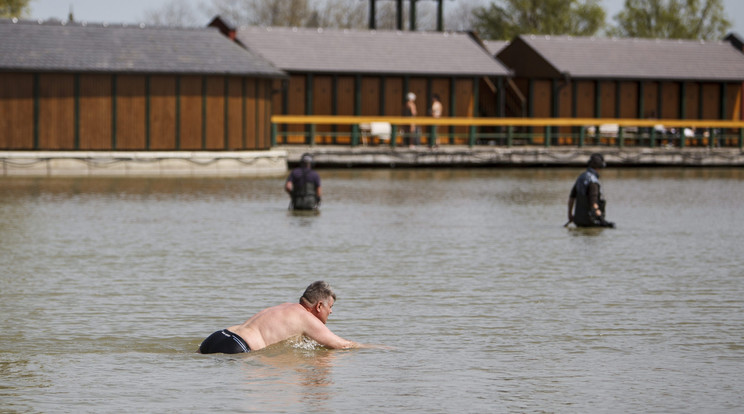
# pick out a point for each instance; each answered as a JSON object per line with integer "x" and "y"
{"x": 133, "y": 11}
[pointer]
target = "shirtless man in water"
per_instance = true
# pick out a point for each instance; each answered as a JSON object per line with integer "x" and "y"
{"x": 281, "y": 322}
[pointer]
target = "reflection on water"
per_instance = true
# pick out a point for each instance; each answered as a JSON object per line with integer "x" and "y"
{"x": 490, "y": 305}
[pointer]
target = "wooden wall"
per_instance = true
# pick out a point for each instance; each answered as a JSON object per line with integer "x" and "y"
{"x": 16, "y": 111}
{"x": 377, "y": 96}
{"x": 49, "y": 111}
{"x": 585, "y": 98}
{"x": 630, "y": 99}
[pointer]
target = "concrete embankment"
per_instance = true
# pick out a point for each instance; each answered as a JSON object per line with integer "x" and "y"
{"x": 489, "y": 156}
{"x": 144, "y": 163}
{"x": 276, "y": 161}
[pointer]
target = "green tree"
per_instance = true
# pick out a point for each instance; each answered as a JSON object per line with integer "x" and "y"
{"x": 14, "y": 8}
{"x": 676, "y": 19}
{"x": 505, "y": 19}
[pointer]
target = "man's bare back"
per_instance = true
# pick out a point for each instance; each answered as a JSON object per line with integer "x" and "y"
{"x": 285, "y": 321}
{"x": 282, "y": 322}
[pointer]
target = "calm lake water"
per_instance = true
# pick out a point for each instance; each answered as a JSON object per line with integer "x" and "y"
{"x": 488, "y": 303}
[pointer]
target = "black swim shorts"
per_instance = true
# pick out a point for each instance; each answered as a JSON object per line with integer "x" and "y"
{"x": 224, "y": 342}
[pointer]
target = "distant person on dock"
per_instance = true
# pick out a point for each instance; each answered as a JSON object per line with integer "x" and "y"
{"x": 303, "y": 186}
{"x": 279, "y": 323}
{"x": 411, "y": 131}
{"x": 436, "y": 112}
{"x": 587, "y": 196}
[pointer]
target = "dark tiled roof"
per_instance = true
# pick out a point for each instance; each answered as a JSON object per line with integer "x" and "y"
{"x": 583, "y": 57}
{"x": 33, "y": 46}
{"x": 364, "y": 52}
{"x": 495, "y": 46}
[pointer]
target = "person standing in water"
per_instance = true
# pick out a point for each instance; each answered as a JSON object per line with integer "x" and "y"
{"x": 281, "y": 322}
{"x": 587, "y": 196}
{"x": 303, "y": 186}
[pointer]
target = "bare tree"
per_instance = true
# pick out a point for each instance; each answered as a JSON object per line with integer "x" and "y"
{"x": 263, "y": 12}
{"x": 344, "y": 14}
{"x": 178, "y": 13}
{"x": 460, "y": 15}
{"x": 347, "y": 14}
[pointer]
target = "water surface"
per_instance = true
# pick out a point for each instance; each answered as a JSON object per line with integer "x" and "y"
{"x": 108, "y": 286}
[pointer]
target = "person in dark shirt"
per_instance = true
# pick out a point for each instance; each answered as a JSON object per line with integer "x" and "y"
{"x": 303, "y": 186}
{"x": 587, "y": 197}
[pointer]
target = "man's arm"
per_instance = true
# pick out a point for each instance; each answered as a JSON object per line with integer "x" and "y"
{"x": 594, "y": 198}
{"x": 317, "y": 331}
{"x": 571, "y": 201}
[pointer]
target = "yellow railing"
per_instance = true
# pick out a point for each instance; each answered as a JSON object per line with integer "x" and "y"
{"x": 548, "y": 131}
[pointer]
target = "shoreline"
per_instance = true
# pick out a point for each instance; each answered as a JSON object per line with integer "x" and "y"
{"x": 278, "y": 160}
{"x": 143, "y": 163}
{"x": 523, "y": 156}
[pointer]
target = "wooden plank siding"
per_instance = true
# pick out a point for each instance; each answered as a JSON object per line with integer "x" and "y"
{"x": 629, "y": 99}
{"x": 670, "y": 96}
{"x": 650, "y": 100}
{"x": 234, "y": 113}
{"x": 323, "y": 105}
{"x": 95, "y": 117}
{"x": 250, "y": 114}
{"x": 371, "y": 89}
{"x": 17, "y": 111}
{"x": 345, "y": 104}
{"x": 378, "y": 96}
{"x": 691, "y": 99}
{"x": 131, "y": 126}
{"x": 263, "y": 114}
{"x": 663, "y": 99}
{"x": 162, "y": 114}
{"x": 57, "y": 109}
{"x": 296, "y": 105}
{"x": 214, "y": 112}
{"x": 564, "y": 111}
{"x": 190, "y": 122}
{"x": 51, "y": 111}
{"x": 394, "y": 99}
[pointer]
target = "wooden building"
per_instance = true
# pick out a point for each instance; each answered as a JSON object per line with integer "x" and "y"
{"x": 348, "y": 72}
{"x": 736, "y": 41}
{"x": 99, "y": 87}
{"x": 578, "y": 77}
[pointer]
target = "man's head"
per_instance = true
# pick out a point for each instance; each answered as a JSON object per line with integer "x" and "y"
{"x": 411, "y": 96}
{"x": 319, "y": 299}
{"x": 596, "y": 161}
{"x": 306, "y": 160}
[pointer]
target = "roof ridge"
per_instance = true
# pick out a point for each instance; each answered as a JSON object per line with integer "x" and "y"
{"x": 334, "y": 30}
{"x": 106, "y": 25}
{"x": 621, "y": 39}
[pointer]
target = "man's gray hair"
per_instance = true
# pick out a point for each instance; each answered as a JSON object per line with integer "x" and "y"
{"x": 317, "y": 292}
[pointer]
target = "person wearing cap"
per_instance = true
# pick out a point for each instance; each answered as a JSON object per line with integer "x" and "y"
{"x": 303, "y": 186}
{"x": 587, "y": 197}
{"x": 411, "y": 130}
{"x": 282, "y": 322}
